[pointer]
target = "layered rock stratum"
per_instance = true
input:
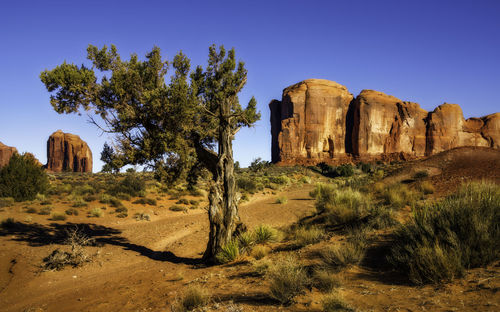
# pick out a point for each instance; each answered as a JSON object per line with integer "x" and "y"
{"x": 68, "y": 152}
{"x": 319, "y": 120}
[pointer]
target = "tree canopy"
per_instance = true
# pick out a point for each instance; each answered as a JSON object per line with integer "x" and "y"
{"x": 171, "y": 125}
{"x": 178, "y": 126}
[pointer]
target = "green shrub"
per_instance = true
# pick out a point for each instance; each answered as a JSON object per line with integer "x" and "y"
{"x": 398, "y": 195}
{"x": 345, "y": 170}
{"x": 366, "y": 168}
{"x": 305, "y": 179}
{"x": 131, "y": 185}
{"x": 444, "y": 239}
{"x": 123, "y": 196}
{"x": 96, "y": 212}
{"x": 281, "y": 200}
{"x": 177, "y": 208}
{"x": 229, "y": 252}
{"x": 89, "y": 198}
{"x": 79, "y": 202}
{"x": 31, "y": 210}
{"x": 287, "y": 280}
{"x": 379, "y": 174}
{"x": 142, "y": 216}
{"x": 71, "y": 212}
{"x": 82, "y": 190}
{"x": 144, "y": 201}
{"x": 247, "y": 184}
{"x": 303, "y": 236}
{"x": 264, "y": 234}
{"x": 22, "y": 178}
{"x": 246, "y": 241}
{"x": 280, "y": 180}
{"x": 6, "y": 202}
{"x": 183, "y": 201}
{"x": 382, "y": 218}
{"x": 58, "y": 216}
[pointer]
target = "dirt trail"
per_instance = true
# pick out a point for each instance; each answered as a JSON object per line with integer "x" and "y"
{"x": 139, "y": 267}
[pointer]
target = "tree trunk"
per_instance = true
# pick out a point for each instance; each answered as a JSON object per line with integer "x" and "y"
{"x": 223, "y": 208}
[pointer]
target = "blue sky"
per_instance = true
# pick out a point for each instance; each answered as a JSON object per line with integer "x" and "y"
{"x": 428, "y": 52}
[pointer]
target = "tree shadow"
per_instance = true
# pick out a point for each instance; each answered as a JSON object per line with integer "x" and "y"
{"x": 37, "y": 235}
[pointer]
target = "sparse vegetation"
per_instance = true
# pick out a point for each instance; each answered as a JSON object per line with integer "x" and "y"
{"x": 281, "y": 200}
{"x": 177, "y": 208}
{"x": 95, "y": 212}
{"x": 260, "y": 251}
{"x": 335, "y": 303}
{"x": 23, "y": 178}
{"x": 265, "y": 234}
{"x": 288, "y": 278}
{"x": 303, "y": 235}
{"x": 229, "y": 252}
{"x": 56, "y": 216}
{"x": 341, "y": 256}
{"x": 324, "y": 280}
{"x": 194, "y": 297}
{"x": 446, "y": 238}
{"x": 45, "y": 210}
{"x": 6, "y": 202}
{"x": 426, "y": 187}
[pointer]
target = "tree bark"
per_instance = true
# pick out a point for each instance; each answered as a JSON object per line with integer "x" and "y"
{"x": 223, "y": 204}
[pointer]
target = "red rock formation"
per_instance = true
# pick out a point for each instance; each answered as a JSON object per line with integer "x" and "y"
{"x": 310, "y": 121}
{"x": 384, "y": 124}
{"x": 317, "y": 120}
{"x": 67, "y": 152}
{"x": 6, "y": 153}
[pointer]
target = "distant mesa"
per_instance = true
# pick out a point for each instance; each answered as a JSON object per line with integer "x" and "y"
{"x": 319, "y": 120}
{"x": 6, "y": 153}
{"x": 67, "y": 152}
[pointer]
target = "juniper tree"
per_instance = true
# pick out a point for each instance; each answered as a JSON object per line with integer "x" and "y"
{"x": 178, "y": 126}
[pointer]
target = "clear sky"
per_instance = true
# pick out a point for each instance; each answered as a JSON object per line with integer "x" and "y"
{"x": 428, "y": 52}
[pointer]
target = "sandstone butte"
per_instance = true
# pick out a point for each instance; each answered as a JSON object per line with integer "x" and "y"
{"x": 67, "y": 152}
{"x": 6, "y": 153}
{"x": 319, "y": 120}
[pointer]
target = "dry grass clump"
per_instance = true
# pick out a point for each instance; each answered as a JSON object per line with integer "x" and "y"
{"x": 56, "y": 216}
{"x": 325, "y": 281}
{"x": 303, "y": 236}
{"x": 446, "y": 238}
{"x": 341, "y": 256}
{"x": 288, "y": 278}
{"x": 194, "y": 297}
{"x": 426, "y": 187}
{"x": 260, "y": 251}
{"x": 71, "y": 212}
{"x": 335, "y": 303}
{"x": 77, "y": 255}
{"x": 142, "y": 216}
{"x": 45, "y": 211}
{"x": 398, "y": 195}
{"x": 177, "y": 208}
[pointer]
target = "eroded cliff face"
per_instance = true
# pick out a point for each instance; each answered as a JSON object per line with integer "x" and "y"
{"x": 318, "y": 120}
{"x": 310, "y": 121}
{"x": 67, "y": 152}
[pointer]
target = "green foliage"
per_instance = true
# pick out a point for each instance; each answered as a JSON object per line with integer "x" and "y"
{"x": 96, "y": 212}
{"x": 446, "y": 238}
{"x": 169, "y": 127}
{"x": 177, "y": 208}
{"x": 258, "y": 165}
{"x": 265, "y": 234}
{"x": 71, "y": 212}
{"x": 111, "y": 162}
{"x": 426, "y": 187}
{"x": 247, "y": 184}
{"x": 287, "y": 279}
{"x": 229, "y": 252}
{"x": 366, "y": 167}
{"x": 398, "y": 195}
{"x": 246, "y": 240}
{"x": 146, "y": 201}
{"x": 131, "y": 185}
{"x": 23, "y": 178}
{"x": 281, "y": 200}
